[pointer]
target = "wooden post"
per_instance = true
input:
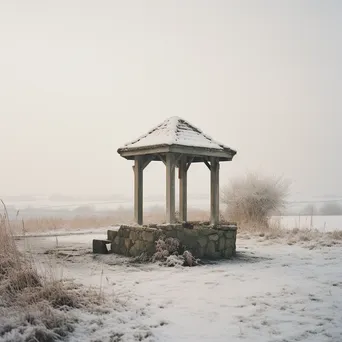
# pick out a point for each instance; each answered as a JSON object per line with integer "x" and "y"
{"x": 138, "y": 190}
{"x": 170, "y": 188}
{"x": 214, "y": 191}
{"x": 183, "y": 201}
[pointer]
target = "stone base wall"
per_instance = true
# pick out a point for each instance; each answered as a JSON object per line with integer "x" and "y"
{"x": 201, "y": 240}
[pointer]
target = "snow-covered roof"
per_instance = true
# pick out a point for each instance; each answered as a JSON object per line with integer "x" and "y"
{"x": 175, "y": 131}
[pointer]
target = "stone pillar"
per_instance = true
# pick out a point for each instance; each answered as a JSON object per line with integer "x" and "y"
{"x": 214, "y": 191}
{"x": 138, "y": 190}
{"x": 170, "y": 188}
{"x": 183, "y": 184}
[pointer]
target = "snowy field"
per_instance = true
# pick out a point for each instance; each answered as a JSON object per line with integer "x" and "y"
{"x": 321, "y": 223}
{"x": 40, "y": 208}
{"x": 270, "y": 292}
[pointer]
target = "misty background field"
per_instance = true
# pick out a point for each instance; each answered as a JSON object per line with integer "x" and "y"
{"x": 43, "y": 213}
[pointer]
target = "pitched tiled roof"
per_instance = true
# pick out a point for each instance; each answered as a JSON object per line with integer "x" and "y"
{"x": 175, "y": 131}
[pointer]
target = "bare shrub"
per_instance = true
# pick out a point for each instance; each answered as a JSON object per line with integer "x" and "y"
{"x": 252, "y": 199}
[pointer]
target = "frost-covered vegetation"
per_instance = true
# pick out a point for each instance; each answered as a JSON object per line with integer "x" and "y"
{"x": 169, "y": 252}
{"x": 33, "y": 307}
{"x": 253, "y": 199}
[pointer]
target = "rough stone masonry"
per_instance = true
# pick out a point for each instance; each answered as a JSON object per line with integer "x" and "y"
{"x": 202, "y": 240}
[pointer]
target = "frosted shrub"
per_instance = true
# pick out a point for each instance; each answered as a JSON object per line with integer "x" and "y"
{"x": 161, "y": 251}
{"x": 189, "y": 259}
{"x": 174, "y": 261}
{"x": 165, "y": 248}
{"x": 253, "y": 199}
{"x": 172, "y": 245}
{"x": 168, "y": 253}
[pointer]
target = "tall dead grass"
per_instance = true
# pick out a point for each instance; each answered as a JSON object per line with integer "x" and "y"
{"x": 32, "y": 307}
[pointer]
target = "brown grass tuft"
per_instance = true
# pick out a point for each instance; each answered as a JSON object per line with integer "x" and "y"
{"x": 21, "y": 279}
{"x": 31, "y": 305}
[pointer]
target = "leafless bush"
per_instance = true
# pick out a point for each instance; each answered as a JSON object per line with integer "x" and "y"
{"x": 252, "y": 199}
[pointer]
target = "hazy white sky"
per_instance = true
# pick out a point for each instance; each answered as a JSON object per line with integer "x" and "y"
{"x": 78, "y": 79}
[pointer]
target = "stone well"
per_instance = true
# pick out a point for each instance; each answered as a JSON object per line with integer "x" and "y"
{"x": 201, "y": 239}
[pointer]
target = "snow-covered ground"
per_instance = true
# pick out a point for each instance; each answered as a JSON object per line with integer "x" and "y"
{"x": 269, "y": 292}
{"x": 321, "y": 223}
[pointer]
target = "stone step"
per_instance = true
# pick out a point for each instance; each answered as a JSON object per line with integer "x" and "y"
{"x": 100, "y": 246}
{"x": 111, "y": 234}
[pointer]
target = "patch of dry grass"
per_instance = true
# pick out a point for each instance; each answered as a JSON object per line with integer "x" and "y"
{"x": 33, "y": 307}
{"x": 121, "y": 216}
{"x": 311, "y": 238}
